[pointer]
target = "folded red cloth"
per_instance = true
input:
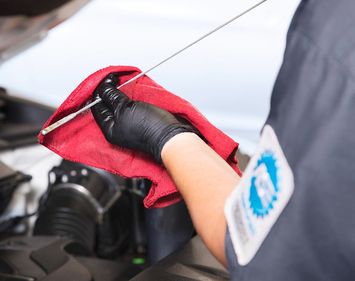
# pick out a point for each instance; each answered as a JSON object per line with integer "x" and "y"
{"x": 81, "y": 140}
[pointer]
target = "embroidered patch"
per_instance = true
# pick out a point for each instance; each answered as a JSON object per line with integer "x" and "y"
{"x": 259, "y": 199}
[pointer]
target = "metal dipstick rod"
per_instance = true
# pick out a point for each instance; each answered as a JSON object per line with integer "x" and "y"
{"x": 74, "y": 114}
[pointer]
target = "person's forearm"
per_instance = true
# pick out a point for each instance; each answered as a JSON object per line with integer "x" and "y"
{"x": 204, "y": 180}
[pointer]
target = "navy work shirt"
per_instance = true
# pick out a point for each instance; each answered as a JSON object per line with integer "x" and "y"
{"x": 313, "y": 115}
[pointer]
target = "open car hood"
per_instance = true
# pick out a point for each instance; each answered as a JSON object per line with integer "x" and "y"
{"x": 24, "y": 24}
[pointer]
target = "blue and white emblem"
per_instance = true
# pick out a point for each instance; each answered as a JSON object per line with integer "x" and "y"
{"x": 262, "y": 194}
{"x": 264, "y": 185}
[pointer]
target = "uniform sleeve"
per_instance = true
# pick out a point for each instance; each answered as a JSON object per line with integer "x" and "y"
{"x": 231, "y": 257}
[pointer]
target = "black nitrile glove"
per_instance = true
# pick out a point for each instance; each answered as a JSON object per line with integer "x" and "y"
{"x": 134, "y": 124}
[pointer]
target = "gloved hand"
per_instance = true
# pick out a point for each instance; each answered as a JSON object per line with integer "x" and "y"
{"x": 134, "y": 124}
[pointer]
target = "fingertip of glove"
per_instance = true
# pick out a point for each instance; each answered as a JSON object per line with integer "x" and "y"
{"x": 112, "y": 95}
{"x": 112, "y": 79}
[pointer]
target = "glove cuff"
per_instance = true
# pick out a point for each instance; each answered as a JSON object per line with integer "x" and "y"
{"x": 183, "y": 128}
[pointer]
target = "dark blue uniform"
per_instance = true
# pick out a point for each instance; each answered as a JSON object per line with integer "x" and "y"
{"x": 313, "y": 115}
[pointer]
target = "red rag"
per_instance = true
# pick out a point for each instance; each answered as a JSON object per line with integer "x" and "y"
{"x": 81, "y": 140}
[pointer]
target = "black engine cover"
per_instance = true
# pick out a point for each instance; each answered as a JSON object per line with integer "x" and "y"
{"x": 50, "y": 259}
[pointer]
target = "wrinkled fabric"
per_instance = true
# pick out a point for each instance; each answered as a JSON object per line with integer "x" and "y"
{"x": 81, "y": 140}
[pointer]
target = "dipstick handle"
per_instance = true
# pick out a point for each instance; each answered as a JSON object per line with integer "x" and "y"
{"x": 67, "y": 118}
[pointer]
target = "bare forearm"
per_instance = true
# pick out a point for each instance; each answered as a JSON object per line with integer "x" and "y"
{"x": 205, "y": 180}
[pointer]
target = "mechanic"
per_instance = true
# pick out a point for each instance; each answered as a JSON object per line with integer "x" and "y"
{"x": 306, "y": 236}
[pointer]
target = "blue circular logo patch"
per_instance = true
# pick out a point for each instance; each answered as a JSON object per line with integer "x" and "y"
{"x": 264, "y": 186}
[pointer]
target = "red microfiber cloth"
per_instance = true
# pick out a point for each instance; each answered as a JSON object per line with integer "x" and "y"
{"x": 81, "y": 140}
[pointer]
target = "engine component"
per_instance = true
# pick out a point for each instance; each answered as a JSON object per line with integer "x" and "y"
{"x": 77, "y": 202}
{"x": 168, "y": 229}
{"x": 9, "y": 181}
{"x": 51, "y": 259}
{"x": 20, "y": 119}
